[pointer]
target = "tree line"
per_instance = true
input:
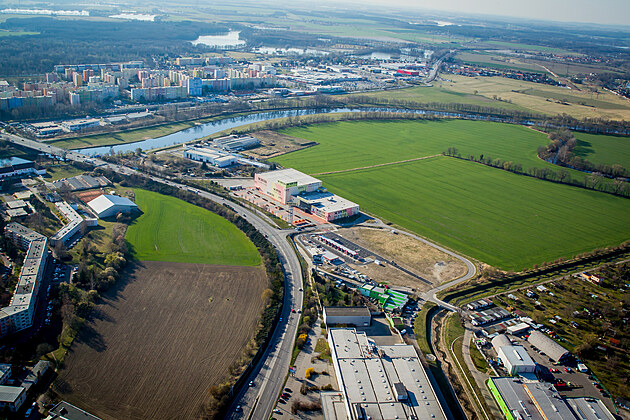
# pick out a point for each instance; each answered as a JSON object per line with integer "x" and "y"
{"x": 560, "y": 152}
{"x": 593, "y": 181}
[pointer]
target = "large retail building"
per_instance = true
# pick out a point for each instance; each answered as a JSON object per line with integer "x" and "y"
{"x": 289, "y": 186}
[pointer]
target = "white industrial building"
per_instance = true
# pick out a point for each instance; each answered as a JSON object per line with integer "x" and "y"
{"x": 21, "y": 310}
{"x": 15, "y": 166}
{"x": 285, "y": 184}
{"x": 327, "y": 206}
{"x": 211, "y": 156}
{"x": 516, "y": 360}
{"x": 110, "y": 205}
{"x": 384, "y": 382}
{"x": 289, "y": 186}
{"x": 358, "y": 316}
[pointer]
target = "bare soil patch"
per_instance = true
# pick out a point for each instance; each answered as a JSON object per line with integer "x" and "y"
{"x": 158, "y": 342}
{"x": 274, "y": 144}
{"x": 418, "y": 257}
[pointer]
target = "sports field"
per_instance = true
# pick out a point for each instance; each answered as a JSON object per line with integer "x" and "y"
{"x": 608, "y": 150}
{"x": 172, "y": 230}
{"x": 506, "y": 220}
{"x": 354, "y": 144}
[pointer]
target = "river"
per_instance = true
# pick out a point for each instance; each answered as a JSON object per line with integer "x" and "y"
{"x": 206, "y": 129}
{"x": 203, "y": 130}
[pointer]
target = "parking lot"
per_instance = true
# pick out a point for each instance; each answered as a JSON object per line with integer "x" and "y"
{"x": 580, "y": 384}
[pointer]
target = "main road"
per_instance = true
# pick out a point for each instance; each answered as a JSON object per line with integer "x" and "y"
{"x": 268, "y": 375}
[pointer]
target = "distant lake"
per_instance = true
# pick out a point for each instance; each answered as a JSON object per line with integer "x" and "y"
{"x": 134, "y": 16}
{"x": 232, "y": 39}
{"x": 289, "y": 51}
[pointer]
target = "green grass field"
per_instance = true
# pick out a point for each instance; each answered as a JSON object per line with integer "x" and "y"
{"x": 506, "y": 220}
{"x": 172, "y": 230}
{"x": 608, "y": 150}
{"x": 354, "y": 144}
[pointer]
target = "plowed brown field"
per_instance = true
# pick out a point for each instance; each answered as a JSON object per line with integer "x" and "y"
{"x": 158, "y": 342}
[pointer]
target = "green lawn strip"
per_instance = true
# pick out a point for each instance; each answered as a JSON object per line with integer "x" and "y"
{"x": 506, "y": 220}
{"x": 60, "y": 171}
{"x": 480, "y": 362}
{"x": 453, "y": 330}
{"x": 172, "y": 230}
{"x": 128, "y": 136}
{"x": 135, "y": 134}
{"x": 420, "y": 327}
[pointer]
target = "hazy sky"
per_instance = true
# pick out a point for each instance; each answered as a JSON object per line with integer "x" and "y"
{"x": 595, "y": 11}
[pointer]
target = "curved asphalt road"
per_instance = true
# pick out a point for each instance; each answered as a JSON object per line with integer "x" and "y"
{"x": 257, "y": 401}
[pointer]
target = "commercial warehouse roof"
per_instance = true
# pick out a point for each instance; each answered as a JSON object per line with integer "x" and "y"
{"x": 369, "y": 373}
{"x": 527, "y": 399}
{"x": 327, "y": 202}
{"x": 589, "y": 409}
{"x": 287, "y": 176}
{"x": 548, "y": 346}
{"x": 517, "y": 356}
{"x": 347, "y": 311}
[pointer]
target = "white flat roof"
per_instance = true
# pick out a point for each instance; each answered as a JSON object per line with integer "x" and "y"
{"x": 369, "y": 373}
{"x": 327, "y": 202}
{"x": 287, "y": 176}
{"x": 517, "y": 355}
{"x": 103, "y": 202}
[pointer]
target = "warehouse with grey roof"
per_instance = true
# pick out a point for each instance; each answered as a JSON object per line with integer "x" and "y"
{"x": 384, "y": 382}
{"x": 548, "y": 346}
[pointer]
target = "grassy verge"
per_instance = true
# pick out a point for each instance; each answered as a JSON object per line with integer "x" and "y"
{"x": 480, "y": 362}
{"x": 421, "y": 327}
{"x": 135, "y": 134}
{"x": 453, "y": 331}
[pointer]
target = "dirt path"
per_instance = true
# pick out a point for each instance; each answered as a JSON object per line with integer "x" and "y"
{"x": 375, "y": 166}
